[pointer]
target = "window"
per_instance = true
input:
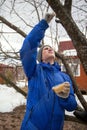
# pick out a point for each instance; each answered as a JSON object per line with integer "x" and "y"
{"x": 75, "y": 68}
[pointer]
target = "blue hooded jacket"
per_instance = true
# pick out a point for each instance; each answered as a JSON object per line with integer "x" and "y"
{"x": 44, "y": 109}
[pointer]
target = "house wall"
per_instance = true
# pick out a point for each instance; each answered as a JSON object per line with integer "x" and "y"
{"x": 82, "y": 79}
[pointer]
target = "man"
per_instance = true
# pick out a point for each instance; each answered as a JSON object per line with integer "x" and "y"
{"x": 44, "y": 109}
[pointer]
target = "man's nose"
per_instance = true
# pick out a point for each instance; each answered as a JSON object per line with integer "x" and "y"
{"x": 50, "y": 49}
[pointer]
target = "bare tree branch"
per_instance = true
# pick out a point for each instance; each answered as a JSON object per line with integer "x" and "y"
{"x": 10, "y": 46}
{"x": 79, "y": 8}
{"x": 12, "y": 26}
{"x": 12, "y": 84}
{"x": 13, "y": 4}
{"x": 2, "y": 2}
{"x": 78, "y": 93}
{"x": 36, "y": 10}
{"x": 22, "y": 19}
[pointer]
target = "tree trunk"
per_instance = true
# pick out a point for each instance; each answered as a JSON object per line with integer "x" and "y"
{"x": 78, "y": 39}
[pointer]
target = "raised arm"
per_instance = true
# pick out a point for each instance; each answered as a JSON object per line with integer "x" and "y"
{"x": 28, "y": 52}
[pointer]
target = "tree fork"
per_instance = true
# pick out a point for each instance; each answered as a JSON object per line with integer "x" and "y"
{"x": 78, "y": 38}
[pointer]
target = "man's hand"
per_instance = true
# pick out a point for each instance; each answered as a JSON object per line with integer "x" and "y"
{"x": 62, "y": 90}
{"x": 49, "y": 16}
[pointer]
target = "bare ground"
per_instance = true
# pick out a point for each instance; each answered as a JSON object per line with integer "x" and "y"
{"x": 12, "y": 121}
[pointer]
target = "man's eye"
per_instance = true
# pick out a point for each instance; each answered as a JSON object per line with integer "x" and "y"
{"x": 45, "y": 48}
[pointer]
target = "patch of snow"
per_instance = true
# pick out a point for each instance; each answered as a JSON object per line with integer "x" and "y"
{"x": 10, "y": 98}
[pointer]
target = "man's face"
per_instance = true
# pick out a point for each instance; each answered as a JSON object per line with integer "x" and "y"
{"x": 48, "y": 53}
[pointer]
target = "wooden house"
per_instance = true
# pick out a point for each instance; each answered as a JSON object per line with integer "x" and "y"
{"x": 67, "y": 48}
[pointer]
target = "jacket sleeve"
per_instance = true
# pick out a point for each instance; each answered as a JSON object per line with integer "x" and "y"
{"x": 69, "y": 103}
{"x": 28, "y": 52}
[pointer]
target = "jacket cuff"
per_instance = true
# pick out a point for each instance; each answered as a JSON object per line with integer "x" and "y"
{"x": 43, "y": 23}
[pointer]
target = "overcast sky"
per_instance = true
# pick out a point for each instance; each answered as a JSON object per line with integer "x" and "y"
{"x": 27, "y": 13}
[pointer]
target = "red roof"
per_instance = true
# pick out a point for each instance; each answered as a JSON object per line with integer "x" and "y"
{"x": 65, "y": 45}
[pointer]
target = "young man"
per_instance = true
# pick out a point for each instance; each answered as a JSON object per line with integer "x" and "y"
{"x": 45, "y": 108}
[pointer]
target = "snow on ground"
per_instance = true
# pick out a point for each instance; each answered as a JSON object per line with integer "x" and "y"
{"x": 10, "y": 98}
{"x": 21, "y": 83}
